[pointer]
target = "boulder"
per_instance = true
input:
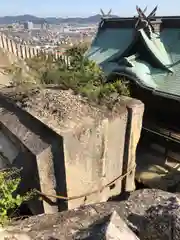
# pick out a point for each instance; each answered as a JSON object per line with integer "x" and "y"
{"x": 117, "y": 229}
{"x": 149, "y": 213}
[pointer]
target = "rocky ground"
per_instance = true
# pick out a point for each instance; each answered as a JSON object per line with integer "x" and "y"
{"x": 151, "y": 214}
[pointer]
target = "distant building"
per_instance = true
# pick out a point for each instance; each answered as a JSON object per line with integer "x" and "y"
{"x": 28, "y": 26}
{"x": 45, "y": 26}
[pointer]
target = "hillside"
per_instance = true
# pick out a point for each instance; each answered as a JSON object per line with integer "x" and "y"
{"x": 51, "y": 20}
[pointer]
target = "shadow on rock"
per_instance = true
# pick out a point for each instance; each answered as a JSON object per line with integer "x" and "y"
{"x": 95, "y": 231}
{"x": 160, "y": 221}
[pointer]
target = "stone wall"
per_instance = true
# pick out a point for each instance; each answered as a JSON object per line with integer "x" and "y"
{"x": 86, "y": 161}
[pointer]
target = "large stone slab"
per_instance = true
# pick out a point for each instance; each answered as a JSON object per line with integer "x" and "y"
{"x": 72, "y": 149}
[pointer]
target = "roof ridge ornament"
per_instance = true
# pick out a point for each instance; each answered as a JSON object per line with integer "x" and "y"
{"x": 145, "y": 21}
{"x": 103, "y": 15}
{"x": 145, "y": 9}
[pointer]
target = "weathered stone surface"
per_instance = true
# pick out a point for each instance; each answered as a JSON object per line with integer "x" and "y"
{"x": 78, "y": 149}
{"x": 4, "y": 235}
{"x": 36, "y": 147}
{"x": 163, "y": 220}
{"x": 117, "y": 229}
{"x": 151, "y": 214}
{"x": 83, "y": 223}
{"x": 135, "y": 116}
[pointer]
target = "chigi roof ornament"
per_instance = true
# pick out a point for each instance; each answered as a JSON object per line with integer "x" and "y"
{"x": 103, "y": 15}
{"x": 145, "y": 21}
{"x": 143, "y": 11}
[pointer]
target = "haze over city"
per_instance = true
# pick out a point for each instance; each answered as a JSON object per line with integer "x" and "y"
{"x": 71, "y": 8}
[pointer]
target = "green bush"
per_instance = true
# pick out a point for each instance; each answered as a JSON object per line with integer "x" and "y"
{"x": 101, "y": 93}
{"x": 83, "y": 76}
{"x": 9, "y": 182}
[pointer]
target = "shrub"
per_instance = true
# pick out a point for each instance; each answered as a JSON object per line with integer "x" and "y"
{"x": 102, "y": 92}
{"x": 83, "y": 76}
{"x": 9, "y": 182}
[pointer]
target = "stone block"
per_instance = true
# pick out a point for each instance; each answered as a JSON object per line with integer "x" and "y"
{"x": 83, "y": 162}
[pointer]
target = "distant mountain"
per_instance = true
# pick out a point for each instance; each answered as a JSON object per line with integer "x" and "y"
{"x": 50, "y": 20}
{"x": 20, "y": 18}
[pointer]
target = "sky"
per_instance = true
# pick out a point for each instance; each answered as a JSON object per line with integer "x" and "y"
{"x": 84, "y": 8}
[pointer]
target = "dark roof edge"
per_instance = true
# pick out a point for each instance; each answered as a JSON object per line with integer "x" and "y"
{"x": 132, "y": 18}
{"x": 129, "y": 22}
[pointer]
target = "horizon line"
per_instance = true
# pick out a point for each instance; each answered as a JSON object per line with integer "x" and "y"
{"x": 49, "y": 16}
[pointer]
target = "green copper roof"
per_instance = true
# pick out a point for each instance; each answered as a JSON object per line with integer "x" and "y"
{"x": 167, "y": 82}
{"x": 157, "y": 48}
{"x": 110, "y": 43}
{"x": 158, "y": 68}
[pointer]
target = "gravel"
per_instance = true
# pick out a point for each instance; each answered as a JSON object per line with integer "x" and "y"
{"x": 59, "y": 109}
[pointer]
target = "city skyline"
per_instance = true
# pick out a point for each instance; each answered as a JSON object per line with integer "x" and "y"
{"x": 79, "y": 8}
